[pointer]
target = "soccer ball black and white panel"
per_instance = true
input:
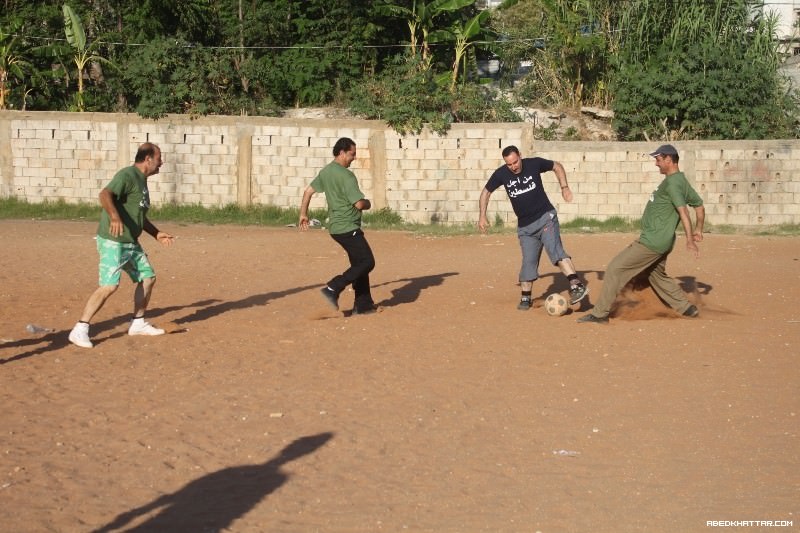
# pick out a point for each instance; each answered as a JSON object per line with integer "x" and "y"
{"x": 556, "y": 305}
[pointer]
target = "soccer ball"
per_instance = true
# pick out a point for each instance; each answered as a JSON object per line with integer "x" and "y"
{"x": 556, "y": 305}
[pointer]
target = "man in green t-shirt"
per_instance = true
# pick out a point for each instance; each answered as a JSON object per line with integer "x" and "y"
{"x": 125, "y": 201}
{"x": 668, "y": 207}
{"x": 345, "y": 204}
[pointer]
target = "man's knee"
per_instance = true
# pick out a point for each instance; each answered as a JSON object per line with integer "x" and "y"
{"x": 108, "y": 289}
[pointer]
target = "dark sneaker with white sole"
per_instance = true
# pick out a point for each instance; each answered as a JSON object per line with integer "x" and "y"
{"x": 524, "y": 304}
{"x": 577, "y": 293}
{"x": 691, "y": 312}
{"x": 331, "y": 297}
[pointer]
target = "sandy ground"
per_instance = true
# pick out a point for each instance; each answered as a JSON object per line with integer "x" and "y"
{"x": 447, "y": 411}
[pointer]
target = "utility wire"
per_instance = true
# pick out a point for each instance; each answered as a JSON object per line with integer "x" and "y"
{"x": 296, "y": 47}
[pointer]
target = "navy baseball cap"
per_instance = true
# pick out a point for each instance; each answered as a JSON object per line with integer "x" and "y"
{"x": 664, "y": 149}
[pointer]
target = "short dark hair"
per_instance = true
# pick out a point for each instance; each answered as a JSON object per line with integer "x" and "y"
{"x": 343, "y": 145}
{"x": 145, "y": 150}
{"x": 508, "y": 150}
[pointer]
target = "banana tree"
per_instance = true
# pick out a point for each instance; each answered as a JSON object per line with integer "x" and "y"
{"x": 83, "y": 53}
{"x": 12, "y": 64}
{"x": 420, "y": 19}
{"x": 464, "y": 36}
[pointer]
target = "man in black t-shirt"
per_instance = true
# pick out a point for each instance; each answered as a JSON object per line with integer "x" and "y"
{"x": 537, "y": 220}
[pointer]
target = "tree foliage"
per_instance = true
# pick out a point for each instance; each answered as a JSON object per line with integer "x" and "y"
{"x": 13, "y": 64}
{"x": 705, "y": 70}
{"x": 567, "y": 44}
{"x": 669, "y": 68}
{"x": 408, "y": 97}
{"x": 83, "y": 52}
{"x": 421, "y": 18}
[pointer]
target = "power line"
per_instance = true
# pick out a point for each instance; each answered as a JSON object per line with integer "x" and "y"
{"x": 293, "y": 47}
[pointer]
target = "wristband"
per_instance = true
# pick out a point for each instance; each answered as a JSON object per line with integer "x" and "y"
{"x": 565, "y": 187}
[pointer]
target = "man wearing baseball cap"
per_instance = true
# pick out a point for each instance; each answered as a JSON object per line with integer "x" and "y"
{"x": 665, "y": 210}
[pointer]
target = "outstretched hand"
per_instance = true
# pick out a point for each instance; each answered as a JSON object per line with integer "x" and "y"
{"x": 165, "y": 238}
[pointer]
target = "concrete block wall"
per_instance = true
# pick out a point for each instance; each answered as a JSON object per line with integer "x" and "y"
{"x": 200, "y": 161}
{"x": 433, "y": 179}
{"x": 59, "y": 157}
{"x": 216, "y": 161}
{"x": 287, "y": 155}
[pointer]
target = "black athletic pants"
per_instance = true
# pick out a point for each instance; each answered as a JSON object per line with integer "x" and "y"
{"x": 361, "y": 264}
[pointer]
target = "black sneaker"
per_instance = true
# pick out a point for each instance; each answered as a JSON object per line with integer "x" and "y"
{"x": 331, "y": 297}
{"x": 593, "y": 319}
{"x": 577, "y": 293}
{"x": 691, "y": 312}
{"x": 524, "y": 303}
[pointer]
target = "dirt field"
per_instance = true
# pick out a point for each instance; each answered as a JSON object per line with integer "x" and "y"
{"x": 445, "y": 412}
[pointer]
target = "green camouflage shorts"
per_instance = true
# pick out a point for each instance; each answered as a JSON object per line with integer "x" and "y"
{"x": 118, "y": 256}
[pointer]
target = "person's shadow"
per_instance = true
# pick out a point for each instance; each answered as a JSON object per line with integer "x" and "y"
{"x": 212, "y": 502}
{"x": 219, "y": 308}
{"x": 55, "y": 340}
{"x": 204, "y": 310}
{"x": 411, "y": 289}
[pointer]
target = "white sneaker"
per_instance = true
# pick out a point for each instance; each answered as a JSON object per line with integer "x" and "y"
{"x": 79, "y": 336}
{"x": 140, "y": 327}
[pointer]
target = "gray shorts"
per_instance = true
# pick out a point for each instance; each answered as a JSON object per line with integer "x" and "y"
{"x": 544, "y": 233}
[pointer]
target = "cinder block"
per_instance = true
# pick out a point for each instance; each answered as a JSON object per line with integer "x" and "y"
{"x": 617, "y": 156}
{"x": 427, "y": 185}
{"x": 711, "y": 155}
{"x": 226, "y": 172}
{"x": 261, "y": 140}
{"x": 610, "y": 210}
{"x": 408, "y": 185}
{"x": 637, "y": 169}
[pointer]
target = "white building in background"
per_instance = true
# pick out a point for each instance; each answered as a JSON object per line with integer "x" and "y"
{"x": 486, "y": 4}
{"x": 789, "y": 13}
{"x": 789, "y": 36}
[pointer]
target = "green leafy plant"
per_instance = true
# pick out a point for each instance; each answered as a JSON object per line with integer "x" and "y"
{"x": 567, "y": 45}
{"x": 83, "y": 52}
{"x": 13, "y": 64}
{"x": 408, "y": 98}
{"x": 708, "y": 70}
{"x": 464, "y": 38}
{"x": 420, "y": 18}
{"x": 546, "y": 133}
